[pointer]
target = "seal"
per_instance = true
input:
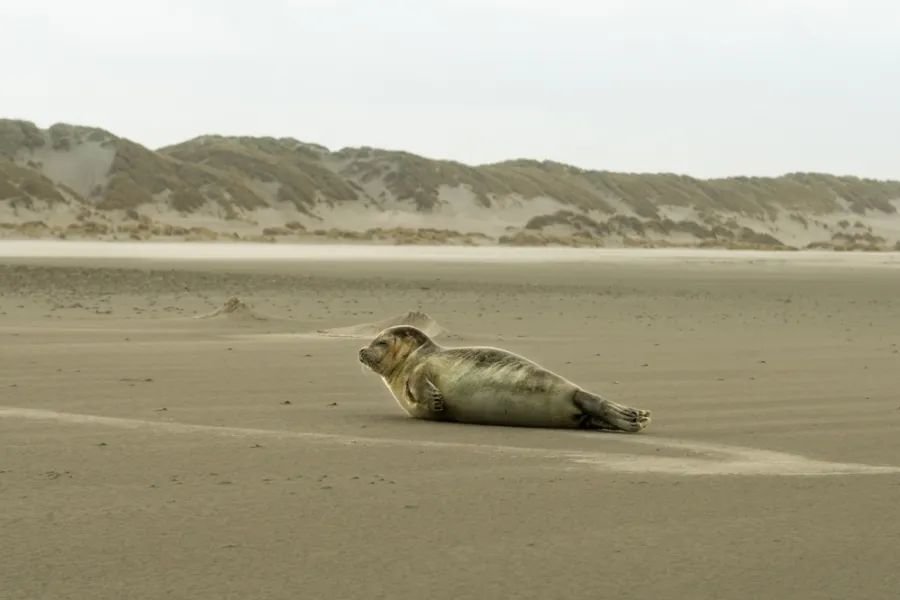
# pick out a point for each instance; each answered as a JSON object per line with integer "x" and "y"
{"x": 486, "y": 386}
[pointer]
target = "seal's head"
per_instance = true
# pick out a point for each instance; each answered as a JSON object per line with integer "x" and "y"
{"x": 390, "y": 348}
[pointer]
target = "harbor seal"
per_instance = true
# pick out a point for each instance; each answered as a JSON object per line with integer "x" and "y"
{"x": 487, "y": 386}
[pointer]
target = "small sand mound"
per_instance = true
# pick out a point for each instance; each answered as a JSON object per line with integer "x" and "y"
{"x": 366, "y": 330}
{"x": 234, "y": 308}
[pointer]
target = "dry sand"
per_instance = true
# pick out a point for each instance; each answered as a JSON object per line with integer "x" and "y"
{"x": 149, "y": 454}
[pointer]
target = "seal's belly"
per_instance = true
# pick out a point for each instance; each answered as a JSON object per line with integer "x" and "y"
{"x": 498, "y": 403}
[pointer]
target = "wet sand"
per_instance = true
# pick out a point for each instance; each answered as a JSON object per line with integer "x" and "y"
{"x": 148, "y": 453}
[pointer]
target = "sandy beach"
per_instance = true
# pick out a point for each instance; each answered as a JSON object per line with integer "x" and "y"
{"x": 152, "y": 448}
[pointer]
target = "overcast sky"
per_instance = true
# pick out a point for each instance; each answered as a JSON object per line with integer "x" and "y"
{"x": 702, "y": 87}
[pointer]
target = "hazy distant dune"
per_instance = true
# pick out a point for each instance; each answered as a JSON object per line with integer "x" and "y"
{"x": 80, "y": 182}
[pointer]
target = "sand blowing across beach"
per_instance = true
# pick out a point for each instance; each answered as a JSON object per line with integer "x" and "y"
{"x": 201, "y": 430}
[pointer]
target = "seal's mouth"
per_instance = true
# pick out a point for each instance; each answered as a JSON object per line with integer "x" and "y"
{"x": 365, "y": 359}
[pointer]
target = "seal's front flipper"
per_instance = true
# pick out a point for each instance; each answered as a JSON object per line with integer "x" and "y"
{"x": 423, "y": 391}
{"x": 606, "y": 414}
{"x": 434, "y": 395}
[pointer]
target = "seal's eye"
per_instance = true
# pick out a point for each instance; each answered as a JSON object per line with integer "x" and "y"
{"x": 381, "y": 344}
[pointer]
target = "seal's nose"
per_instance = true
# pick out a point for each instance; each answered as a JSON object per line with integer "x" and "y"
{"x": 360, "y": 353}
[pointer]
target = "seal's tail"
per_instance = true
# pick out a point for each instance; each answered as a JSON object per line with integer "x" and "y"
{"x": 606, "y": 414}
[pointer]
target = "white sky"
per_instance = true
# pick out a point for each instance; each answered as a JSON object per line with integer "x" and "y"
{"x": 703, "y": 87}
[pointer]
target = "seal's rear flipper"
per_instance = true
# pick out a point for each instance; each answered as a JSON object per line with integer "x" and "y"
{"x": 606, "y": 414}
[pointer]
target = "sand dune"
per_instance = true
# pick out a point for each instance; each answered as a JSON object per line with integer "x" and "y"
{"x": 234, "y": 308}
{"x": 367, "y": 330}
{"x": 72, "y": 182}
